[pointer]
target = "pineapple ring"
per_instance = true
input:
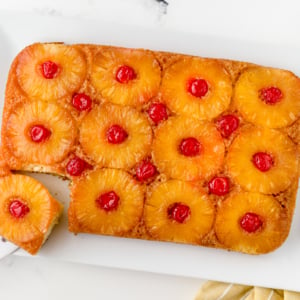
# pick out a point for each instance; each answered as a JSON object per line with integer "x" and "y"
{"x": 160, "y": 226}
{"x": 72, "y": 71}
{"x": 254, "y": 110}
{"x": 53, "y": 117}
{"x": 136, "y": 91}
{"x": 36, "y": 223}
{"x": 94, "y": 142}
{"x": 278, "y": 145}
{"x": 175, "y": 165}
{"x": 180, "y": 101}
{"x": 272, "y": 233}
{"x": 90, "y": 217}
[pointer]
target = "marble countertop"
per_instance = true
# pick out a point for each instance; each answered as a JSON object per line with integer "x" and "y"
{"x": 39, "y": 278}
{"x": 271, "y": 21}
{"x": 35, "y": 278}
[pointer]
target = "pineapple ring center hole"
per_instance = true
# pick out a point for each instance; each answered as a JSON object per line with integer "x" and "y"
{"x": 179, "y": 212}
{"x": 263, "y": 161}
{"x": 18, "y": 208}
{"x": 39, "y": 133}
{"x": 108, "y": 201}
{"x": 251, "y": 222}
{"x": 270, "y": 95}
{"x": 190, "y": 147}
{"x": 49, "y": 69}
{"x": 197, "y": 87}
{"x": 116, "y": 134}
{"x": 125, "y": 73}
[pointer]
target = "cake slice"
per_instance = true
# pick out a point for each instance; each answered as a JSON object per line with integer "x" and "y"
{"x": 28, "y": 212}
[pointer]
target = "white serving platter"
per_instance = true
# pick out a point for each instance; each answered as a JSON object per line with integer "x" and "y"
{"x": 279, "y": 269}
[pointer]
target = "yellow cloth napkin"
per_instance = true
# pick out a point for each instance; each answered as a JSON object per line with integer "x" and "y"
{"x": 212, "y": 290}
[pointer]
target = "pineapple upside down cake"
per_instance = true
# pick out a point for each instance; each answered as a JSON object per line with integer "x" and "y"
{"x": 157, "y": 146}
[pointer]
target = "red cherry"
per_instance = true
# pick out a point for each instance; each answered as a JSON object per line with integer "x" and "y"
{"x": 124, "y": 74}
{"x": 18, "y": 209}
{"x": 227, "y": 125}
{"x": 262, "y": 161}
{"x": 270, "y": 95}
{"x": 49, "y": 69}
{"x": 116, "y": 134}
{"x": 82, "y": 102}
{"x": 179, "y": 212}
{"x": 219, "y": 186}
{"x": 190, "y": 147}
{"x": 39, "y": 133}
{"x": 145, "y": 170}
{"x": 197, "y": 87}
{"x": 76, "y": 166}
{"x": 157, "y": 112}
{"x": 251, "y": 222}
{"x": 108, "y": 201}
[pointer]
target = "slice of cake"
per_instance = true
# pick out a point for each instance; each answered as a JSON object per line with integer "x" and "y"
{"x": 28, "y": 212}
